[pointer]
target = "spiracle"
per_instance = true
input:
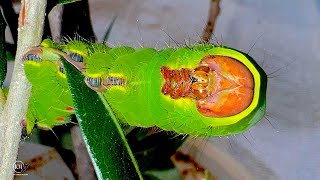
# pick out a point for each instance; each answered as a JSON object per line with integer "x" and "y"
{"x": 61, "y": 69}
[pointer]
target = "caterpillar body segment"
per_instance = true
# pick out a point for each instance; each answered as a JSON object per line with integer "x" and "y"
{"x": 50, "y": 103}
{"x": 201, "y": 90}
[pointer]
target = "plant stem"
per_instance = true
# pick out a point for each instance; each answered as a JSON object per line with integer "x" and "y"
{"x": 214, "y": 12}
{"x": 29, "y": 34}
{"x": 84, "y": 164}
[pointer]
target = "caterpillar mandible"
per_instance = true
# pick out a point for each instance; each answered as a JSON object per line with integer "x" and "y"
{"x": 202, "y": 90}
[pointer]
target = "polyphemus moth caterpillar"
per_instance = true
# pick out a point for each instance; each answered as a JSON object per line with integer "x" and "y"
{"x": 202, "y": 90}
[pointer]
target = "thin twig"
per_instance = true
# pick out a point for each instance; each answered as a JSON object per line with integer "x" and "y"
{"x": 29, "y": 34}
{"x": 55, "y": 20}
{"x": 84, "y": 164}
{"x": 214, "y": 12}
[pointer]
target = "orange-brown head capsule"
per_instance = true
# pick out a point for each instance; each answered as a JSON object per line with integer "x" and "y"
{"x": 221, "y": 86}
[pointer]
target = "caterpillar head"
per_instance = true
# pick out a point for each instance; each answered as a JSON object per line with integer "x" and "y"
{"x": 221, "y": 86}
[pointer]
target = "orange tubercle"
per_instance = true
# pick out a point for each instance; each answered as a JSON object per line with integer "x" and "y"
{"x": 60, "y": 119}
{"x": 69, "y": 108}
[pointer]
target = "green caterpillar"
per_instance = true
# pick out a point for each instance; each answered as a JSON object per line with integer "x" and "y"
{"x": 201, "y": 90}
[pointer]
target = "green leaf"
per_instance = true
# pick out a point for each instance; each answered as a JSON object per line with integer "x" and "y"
{"x": 3, "y": 55}
{"x": 10, "y": 56}
{"x": 65, "y": 1}
{"x": 105, "y": 141}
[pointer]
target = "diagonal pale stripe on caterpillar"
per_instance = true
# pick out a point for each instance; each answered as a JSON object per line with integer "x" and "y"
{"x": 201, "y": 90}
